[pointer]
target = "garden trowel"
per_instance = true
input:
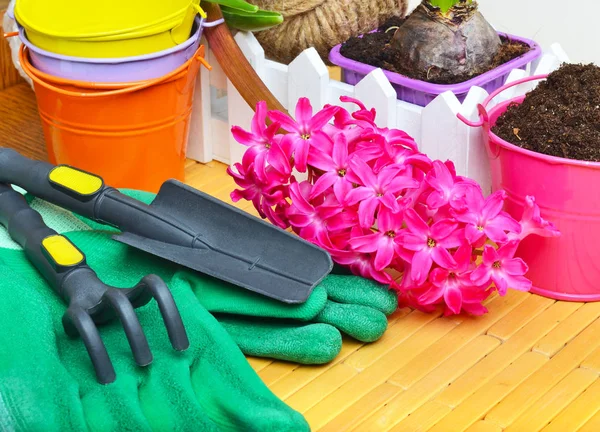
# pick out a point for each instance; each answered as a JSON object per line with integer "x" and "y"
{"x": 182, "y": 225}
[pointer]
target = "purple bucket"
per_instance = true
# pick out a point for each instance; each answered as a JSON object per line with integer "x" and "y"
{"x": 125, "y": 69}
{"x": 422, "y": 93}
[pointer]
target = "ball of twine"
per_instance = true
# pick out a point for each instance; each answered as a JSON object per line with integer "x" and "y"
{"x": 322, "y": 24}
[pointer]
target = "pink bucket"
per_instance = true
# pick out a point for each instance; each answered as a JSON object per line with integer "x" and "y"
{"x": 567, "y": 192}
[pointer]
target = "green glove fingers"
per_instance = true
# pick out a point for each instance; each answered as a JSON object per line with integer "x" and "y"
{"x": 360, "y": 322}
{"x": 306, "y": 344}
{"x": 360, "y": 291}
{"x": 221, "y": 297}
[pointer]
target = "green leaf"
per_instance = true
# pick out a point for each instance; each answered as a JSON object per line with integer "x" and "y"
{"x": 236, "y": 5}
{"x": 251, "y": 22}
{"x": 444, "y": 5}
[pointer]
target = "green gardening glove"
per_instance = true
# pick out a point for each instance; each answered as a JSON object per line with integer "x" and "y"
{"x": 47, "y": 381}
{"x": 308, "y": 333}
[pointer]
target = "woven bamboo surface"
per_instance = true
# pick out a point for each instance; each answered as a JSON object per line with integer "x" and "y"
{"x": 530, "y": 364}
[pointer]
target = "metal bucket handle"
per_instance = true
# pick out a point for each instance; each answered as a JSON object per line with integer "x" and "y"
{"x": 484, "y": 119}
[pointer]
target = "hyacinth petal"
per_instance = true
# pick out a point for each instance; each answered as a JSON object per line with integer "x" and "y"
{"x": 359, "y": 194}
{"x": 453, "y": 299}
{"x": 390, "y": 174}
{"x": 413, "y": 242}
{"x": 439, "y": 277}
{"x": 364, "y": 172}
{"x": 388, "y": 221}
{"x": 341, "y": 189}
{"x": 443, "y": 258}
{"x": 495, "y": 234}
{"x": 321, "y": 160}
{"x": 299, "y": 200}
{"x": 366, "y": 212}
{"x": 436, "y": 200}
{"x": 508, "y": 250}
{"x": 367, "y": 244}
{"x": 500, "y": 282}
{"x": 420, "y": 266}
{"x": 493, "y": 205}
{"x": 490, "y": 255}
{"x": 245, "y": 138}
{"x": 463, "y": 258}
{"x": 390, "y": 201}
{"x": 340, "y": 150}
{"x": 507, "y": 222}
{"x": 515, "y": 267}
{"x": 414, "y": 222}
{"x": 519, "y": 283}
{"x": 475, "y": 309}
{"x": 259, "y": 119}
{"x": 286, "y": 122}
{"x": 301, "y": 154}
{"x": 323, "y": 117}
{"x": 433, "y": 294}
{"x": 443, "y": 228}
{"x": 401, "y": 183}
{"x": 279, "y": 160}
{"x": 481, "y": 275}
{"x": 384, "y": 255}
{"x": 472, "y": 234}
{"x": 304, "y": 112}
{"x": 323, "y": 183}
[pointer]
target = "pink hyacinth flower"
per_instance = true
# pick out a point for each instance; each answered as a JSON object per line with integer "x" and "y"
{"x": 429, "y": 244}
{"x": 502, "y": 268}
{"x": 383, "y": 243}
{"x": 361, "y": 264}
{"x": 314, "y": 223}
{"x": 451, "y": 284}
{"x": 336, "y": 166}
{"x": 261, "y": 137}
{"x": 533, "y": 223}
{"x": 306, "y": 130}
{"x": 446, "y": 188}
{"x": 377, "y": 190}
{"x": 486, "y": 218}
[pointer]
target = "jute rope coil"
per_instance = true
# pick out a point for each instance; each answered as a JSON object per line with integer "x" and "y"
{"x": 324, "y": 23}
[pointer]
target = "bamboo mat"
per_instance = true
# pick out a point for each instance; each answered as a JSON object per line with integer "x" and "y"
{"x": 530, "y": 364}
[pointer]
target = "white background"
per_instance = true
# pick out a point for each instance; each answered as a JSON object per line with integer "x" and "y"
{"x": 572, "y": 23}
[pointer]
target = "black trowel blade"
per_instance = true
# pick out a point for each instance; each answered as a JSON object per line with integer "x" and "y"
{"x": 235, "y": 246}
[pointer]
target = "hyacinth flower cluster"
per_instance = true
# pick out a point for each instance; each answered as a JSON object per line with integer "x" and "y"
{"x": 383, "y": 209}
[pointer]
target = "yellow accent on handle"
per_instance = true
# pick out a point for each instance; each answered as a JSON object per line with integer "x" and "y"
{"x": 75, "y": 180}
{"x": 200, "y": 10}
{"x": 62, "y": 251}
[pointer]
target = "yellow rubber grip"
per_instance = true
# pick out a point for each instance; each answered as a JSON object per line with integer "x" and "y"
{"x": 75, "y": 180}
{"x": 62, "y": 251}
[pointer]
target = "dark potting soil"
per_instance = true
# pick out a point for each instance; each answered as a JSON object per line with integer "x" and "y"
{"x": 560, "y": 117}
{"x": 374, "y": 49}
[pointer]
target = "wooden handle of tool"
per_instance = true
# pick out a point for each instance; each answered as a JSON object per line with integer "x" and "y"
{"x": 234, "y": 63}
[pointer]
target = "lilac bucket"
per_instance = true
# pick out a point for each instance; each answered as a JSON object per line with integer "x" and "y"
{"x": 422, "y": 93}
{"x": 125, "y": 69}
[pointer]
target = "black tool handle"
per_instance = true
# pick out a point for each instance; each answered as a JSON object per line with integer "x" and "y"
{"x": 53, "y": 255}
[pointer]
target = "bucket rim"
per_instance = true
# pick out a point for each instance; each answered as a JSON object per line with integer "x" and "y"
{"x": 199, "y": 22}
{"x": 553, "y": 160}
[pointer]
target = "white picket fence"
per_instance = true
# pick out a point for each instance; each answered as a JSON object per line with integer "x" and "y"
{"x": 435, "y": 127}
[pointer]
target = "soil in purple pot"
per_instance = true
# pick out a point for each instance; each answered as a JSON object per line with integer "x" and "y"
{"x": 560, "y": 117}
{"x": 375, "y": 49}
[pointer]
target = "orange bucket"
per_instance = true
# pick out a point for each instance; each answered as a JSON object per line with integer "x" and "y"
{"x": 132, "y": 134}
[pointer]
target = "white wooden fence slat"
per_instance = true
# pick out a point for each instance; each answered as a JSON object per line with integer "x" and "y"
{"x": 473, "y": 152}
{"x": 308, "y": 77}
{"x": 253, "y": 51}
{"x": 375, "y": 91}
{"x": 338, "y": 89}
{"x": 560, "y": 53}
{"x": 240, "y": 114}
{"x": 408, "y": 119}
{"x": 277, "y": 80}
{"x": 515, "y": 74}
{"x": 438, "y": 127}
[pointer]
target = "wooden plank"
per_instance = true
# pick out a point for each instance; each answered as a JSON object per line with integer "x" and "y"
{"x": 258, "y": 363}
{"x": 408, "y": 401}
{"x": 345, "y": 404}
{"x": 520, "y": 317}
{"x": 423, "y": 418}
{"x": 484, "y": 426}
{"x": 544, "y": 379}
{"x": 479, "y": 403}
{"x": 568, "y": 329}
{"x": 578, "y": 413}
{"x": 511, "y": 350}
{"x": 593, "y": 361}
{"x": 593, "y": 424}
{"x": 559, "y": 397}
{"x": 20, "y": 125}
{"x": 460, "y": 337}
